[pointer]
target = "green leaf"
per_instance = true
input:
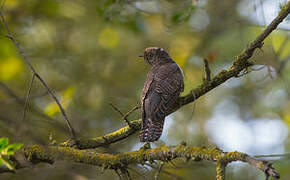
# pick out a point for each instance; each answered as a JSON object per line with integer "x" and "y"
{"x": 3, "y": 143}
{"x": 7, "y": 163}
{"x": 12, "y": 148}
{"x": 0, "y": 160}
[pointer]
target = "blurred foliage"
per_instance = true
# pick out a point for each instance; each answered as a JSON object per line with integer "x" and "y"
{"x": 7, "y": 149}
{"x": 87, "y": 52}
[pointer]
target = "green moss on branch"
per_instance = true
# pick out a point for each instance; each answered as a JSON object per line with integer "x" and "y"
{"x": 105, "y": 140}
{"x": 36, "y": 154}
{"x": 240, "y": 64}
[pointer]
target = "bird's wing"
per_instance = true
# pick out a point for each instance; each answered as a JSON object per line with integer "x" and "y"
{"x": 146, "y": 88}
{"x": 159, "y": 94}
{"x": 169, "y": 84}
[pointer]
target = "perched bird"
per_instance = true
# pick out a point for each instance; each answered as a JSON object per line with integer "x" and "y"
{"x": 161, "y": 90}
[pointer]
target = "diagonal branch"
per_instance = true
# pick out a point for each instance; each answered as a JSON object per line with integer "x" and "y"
{"x": 50, "y": 91}
{"x": 241, "y": 63}
{"x": 37, "y": 153}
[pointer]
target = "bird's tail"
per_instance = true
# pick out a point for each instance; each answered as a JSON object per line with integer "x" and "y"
{"x": 151, "y": 130}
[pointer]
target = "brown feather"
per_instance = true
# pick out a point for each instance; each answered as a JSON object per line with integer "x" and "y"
{"x": 163, "y": 85}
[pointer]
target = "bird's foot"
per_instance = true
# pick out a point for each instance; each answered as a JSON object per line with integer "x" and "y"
{"x": 146, "y": 146}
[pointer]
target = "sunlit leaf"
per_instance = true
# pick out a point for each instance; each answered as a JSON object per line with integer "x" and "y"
{"x": 51, "y": 109}
{"x": 3, "y": 143}
{"x": 12, "y": 148}
{"x": 10, "y": 68}
{"x": 7, "y": 162}
{"x": 287, "y": 119}
{"x": 108, "y": 38}
{"x": 69, "y": 92}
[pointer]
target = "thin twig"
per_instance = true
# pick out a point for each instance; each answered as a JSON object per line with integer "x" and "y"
{"x": 21, "y": 52}
{"x": 21, "y": 101}
{"x": 116, "y": 109}
{"x": 119, "y": 175}
{"x": 158, "y": 171}
{"x": 129, "y": 112}
{"x": 11, "y": 93}
{"x": 194, "y": 106}
{"x": 264, "y": 166}
{"x": 124, "y": 116}
{"x": 207, "y": 70}
{"x": 126, "y": 173}
{"x": 19, "y": 129}
{"x": 273, "y": 155}
{"x": 27, "y": 97}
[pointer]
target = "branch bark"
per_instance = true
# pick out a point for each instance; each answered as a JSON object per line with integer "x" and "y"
{"x": 36, "y": 154}
{"x": 220, "y": 170}
{"x": 240, "y": 64}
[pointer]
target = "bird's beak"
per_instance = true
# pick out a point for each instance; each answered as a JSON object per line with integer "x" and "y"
{"x": 141, "y": 55}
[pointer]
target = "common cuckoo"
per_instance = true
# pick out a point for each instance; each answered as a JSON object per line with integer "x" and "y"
{"x": 161, "y": 90}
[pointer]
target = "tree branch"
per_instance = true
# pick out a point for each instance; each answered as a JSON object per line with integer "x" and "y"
{"x": 50, "y": 91}
{"x": 105, "y": 140}
{"x": 36, "y": 154}
{"x": 220, "y": 170}
{"x": 241, "y": 63}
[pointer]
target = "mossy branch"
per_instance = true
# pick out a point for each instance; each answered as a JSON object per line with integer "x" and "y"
{"x": 240, "y": 64}
{"x": 220, "y": 169}
{"x": 105, "y": 140}
{"x": 36, "y": 154}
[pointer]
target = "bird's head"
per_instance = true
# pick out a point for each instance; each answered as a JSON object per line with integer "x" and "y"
{"x": 155, "y": 56}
